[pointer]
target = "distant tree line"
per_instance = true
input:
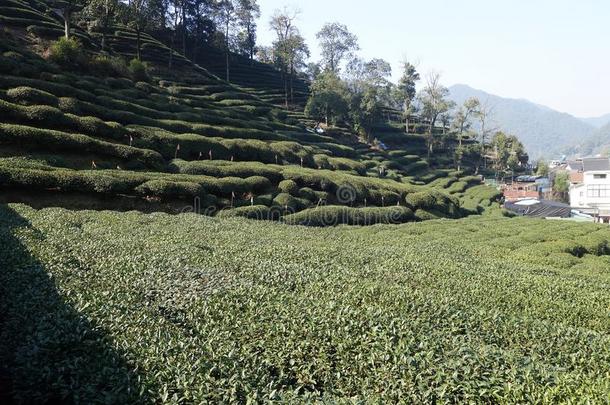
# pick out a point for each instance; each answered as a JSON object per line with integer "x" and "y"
{"x": 184, "y": 25}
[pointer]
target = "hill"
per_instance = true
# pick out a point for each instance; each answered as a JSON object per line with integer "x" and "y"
{"x": 596, "y": 143}
{"x": 597, "y": 122}
{"x": 543, "y": 131}
{"x": 92, "y": 136}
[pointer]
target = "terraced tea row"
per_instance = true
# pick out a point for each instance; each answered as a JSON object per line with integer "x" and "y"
{"x": 158, "y": 308}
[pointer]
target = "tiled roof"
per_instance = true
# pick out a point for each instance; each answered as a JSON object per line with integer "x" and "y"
{"x": 575, "y": 165}
{"x": 596, "y": 164}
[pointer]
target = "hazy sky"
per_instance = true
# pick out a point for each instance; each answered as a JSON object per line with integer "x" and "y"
{"x": 552, "y": 52}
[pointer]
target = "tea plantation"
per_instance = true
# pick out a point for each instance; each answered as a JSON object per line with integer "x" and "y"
{"x": 107, "y": 307}
{"x": 88, "y": 133}
{"x": 167, "y": 236}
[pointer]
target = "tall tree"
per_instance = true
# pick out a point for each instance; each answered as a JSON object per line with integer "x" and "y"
{"x": 289, "y": 48}
{"x": 434, "y": 103}
{"x": 101, "y": 15}
{"x": 484, "y": 115}
{"x": 66, "y": 9}
{"x": 336, "y": 43}
{"x": 247, "y": 12}
{"x": 226, "y": 16}
{"x": 202, "y": 24}
{"x": 176, "y": 12}
{"x": 508, "y": 152}
{"x": 406, "y": 91}
{"x": 139, "y": 17}
{"x": 329, "y": 99}
{"x": 462, "y": 123}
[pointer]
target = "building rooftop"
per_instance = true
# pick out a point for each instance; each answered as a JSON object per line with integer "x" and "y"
{"x": 575, "y": 165}
{"x": 596, "y": 164}
{"x": 539, "y": 208}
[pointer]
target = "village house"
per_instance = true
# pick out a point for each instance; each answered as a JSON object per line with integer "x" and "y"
{"x": 525, "y": 187}
{"x": 590, "y": 187}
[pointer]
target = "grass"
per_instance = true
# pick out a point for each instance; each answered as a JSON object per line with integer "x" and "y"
{"x": 160, "y": 308}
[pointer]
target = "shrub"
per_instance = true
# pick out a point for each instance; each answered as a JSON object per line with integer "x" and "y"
{"x": 28, "y": 95}
{"x": 138, "y": 71}
{"x": 337, "y": 215}
{"x": 421, "y": 199}
{"x": 260, "y": 212}
{"x": 67, "y": 52}
{"x": 170, "y": 189}
{"x": 308, "y": 194}
{"x": 59, "y": 141}
{"x": 226, "y": 169}
{"x": 103, "y": 65}
{"x": 289, "y": 187}
{"x": 290, "y": 203}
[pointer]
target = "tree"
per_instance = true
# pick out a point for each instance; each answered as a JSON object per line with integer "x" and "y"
{"x": 289, "y": 48}
{"x": 508, "y": 153}
{"x": 462, "y": 123}
{"x": 313, "y": 70}
{"x": 405, "y": 91}
{"x": 542, "y": 168}
{"x": 368, "y": 110}
{"x": 202, "y": 23}
{"x": 484, "y": 115}
{"x": 434, "y": 103}
{"x": 328, "y": 100}
{"x": 66, "y": 9}
{"x": 336, "y": 43}
{"x": 139, "y": 16}
{"x": 101, "y": 15}
{"x": 561, "y": 185}
{"x": 176, "y": 11}
{"x": 264, "y": 54}
{"x": 361, "y": 73}
{"x": 247, "y": 12}
{"x": 226, "y": 17}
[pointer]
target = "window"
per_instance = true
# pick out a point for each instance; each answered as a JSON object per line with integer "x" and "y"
{"x": 598, "y": 191}
{"x": 599, "y": 176}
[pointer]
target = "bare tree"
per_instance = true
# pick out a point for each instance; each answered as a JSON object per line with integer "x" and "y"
{"x": 485, "y": 116}
{"x": 434, "y": 103}
{"x": 289, "y": 48}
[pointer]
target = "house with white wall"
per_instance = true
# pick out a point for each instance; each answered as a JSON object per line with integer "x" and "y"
{"x": 592, "y": 195}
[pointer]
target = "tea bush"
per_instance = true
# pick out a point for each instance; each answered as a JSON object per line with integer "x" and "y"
{"x": 137, "y": 308}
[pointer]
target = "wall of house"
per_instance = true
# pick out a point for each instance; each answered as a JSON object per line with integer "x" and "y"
{"x": 594, "y": 192}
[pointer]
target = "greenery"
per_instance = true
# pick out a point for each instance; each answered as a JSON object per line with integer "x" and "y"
{"x": 67, "y": 52}
{"x": 159, "y": 308}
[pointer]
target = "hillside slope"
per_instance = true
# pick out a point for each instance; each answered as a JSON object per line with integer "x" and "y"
{"x": 596, "y": 143}
{"x": 186, "y": 140}
{"x": 543, "y": 131}
{"x": 598, "y": 122}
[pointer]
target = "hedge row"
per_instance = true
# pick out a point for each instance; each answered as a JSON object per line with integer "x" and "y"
{"x": 221, "y": 168}
{"x": 337, "y": 215}
{"x": 50, "y": 140}
{"x": 123, "y": 182}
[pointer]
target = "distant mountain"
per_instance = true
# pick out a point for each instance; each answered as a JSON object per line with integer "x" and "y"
{"x": 596, "y": 144}
{"x": 597, "y": 122}
{"x": 544, "y": 131}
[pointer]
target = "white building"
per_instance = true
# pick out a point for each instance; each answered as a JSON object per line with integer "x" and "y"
{"x": 592, "y": 194}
